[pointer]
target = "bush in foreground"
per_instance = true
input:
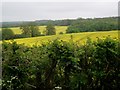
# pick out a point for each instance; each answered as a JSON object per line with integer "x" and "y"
{"x": 59, "y": 63}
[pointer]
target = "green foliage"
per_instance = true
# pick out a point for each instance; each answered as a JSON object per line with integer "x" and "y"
{"x": 94, "y": 65}
{"x": 61, "y": 33}
{"x": 15, "y": 67}
{"x": 107, "y": 63}
{"x": 50, "y": 30}
{"x": 30, "y": 30}
{"x": 7, "y": 34}
{"x": 65, "y": 22}
{"x": 96, "y": 24}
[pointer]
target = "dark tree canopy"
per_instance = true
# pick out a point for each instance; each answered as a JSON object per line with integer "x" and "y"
{"x": 65, "y": 22}
{"x": 96, "y": 24}
{"x": 30, "y": 30}
{"x": 50, "y": 30}
{"x": 7, "y": 34}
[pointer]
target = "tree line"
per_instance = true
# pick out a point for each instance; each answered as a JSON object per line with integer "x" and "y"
{"x": 28, "y": 30}
{"x": 96, "y": 24}
{"x": 64, "y": 22}
{"x": 92, "y": 66}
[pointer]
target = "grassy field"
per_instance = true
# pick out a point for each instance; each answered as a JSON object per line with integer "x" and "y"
{"x": 59, "y": 29}
{"x": 77, "y": 37}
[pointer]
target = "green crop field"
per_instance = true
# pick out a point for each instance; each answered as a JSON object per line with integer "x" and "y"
{"x": 76, "y": 37}
{"x": 59, "y": 29}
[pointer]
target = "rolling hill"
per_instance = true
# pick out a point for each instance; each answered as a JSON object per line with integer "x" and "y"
{"x": 76, "y": 37}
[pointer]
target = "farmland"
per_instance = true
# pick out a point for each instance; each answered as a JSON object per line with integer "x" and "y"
{"x": 71, "y": 51}
{"x": 77, "y": 37}
{"x": 60, "y": 46}
{"x": 59, "y": 29}
{"x": 83, "y": 54}
{"x": 83, "y": 63}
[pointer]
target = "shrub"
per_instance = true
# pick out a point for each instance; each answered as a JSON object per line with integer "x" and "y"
{"x": 61, "y": 33}
{"x": 7, "y": 34}
{"x": 94, "y": 65}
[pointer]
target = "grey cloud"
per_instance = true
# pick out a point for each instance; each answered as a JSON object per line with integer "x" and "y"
{"x": 14, "y": 11}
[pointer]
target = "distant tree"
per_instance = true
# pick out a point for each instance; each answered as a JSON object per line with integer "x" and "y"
{"x": 25, "y": 30}
{"x": 34, "y": 30}
{"x": 50, "y": 30}
{"x": 7, "y": 34}
{"x": 16, "y": 36}
{"x": 60, "y": 32}
{"x": 91, "y": 25}
{"x": 44, "y": 32}
{"x": 30, "y": 30}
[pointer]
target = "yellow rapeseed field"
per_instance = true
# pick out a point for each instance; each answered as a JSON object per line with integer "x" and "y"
{"x": 76, "y": 37}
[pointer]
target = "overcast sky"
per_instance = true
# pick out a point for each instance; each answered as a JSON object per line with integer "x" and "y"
{"x": 26, "y": 11}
